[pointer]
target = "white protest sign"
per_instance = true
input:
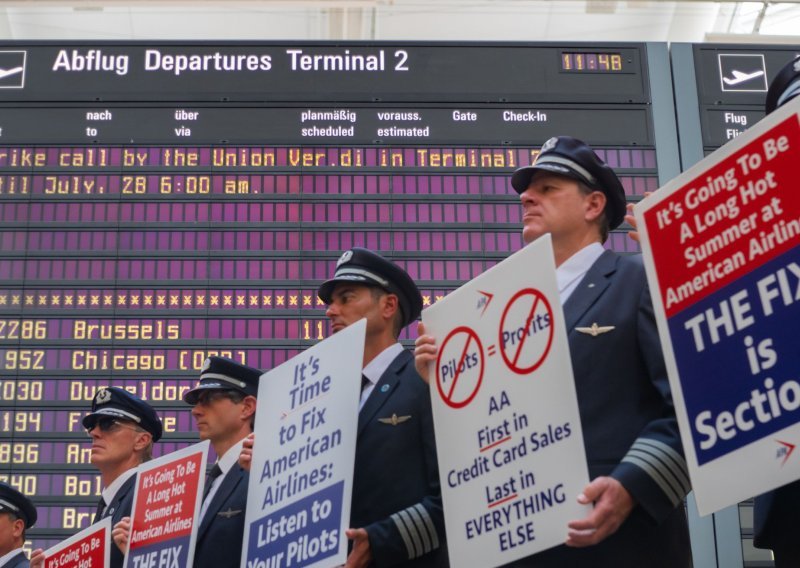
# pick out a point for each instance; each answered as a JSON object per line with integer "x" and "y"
{"x": 301, "y": 477}
{"x": 86, "y": 549}
{"x": 166, "y": 504}
{"x": 721, "y": 246}
{"x": 510, "y": 445}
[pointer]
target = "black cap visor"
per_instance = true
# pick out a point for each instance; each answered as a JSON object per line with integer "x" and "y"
{"x": 521, "y": 179}
{"x": 325, "y": 291}
{"x": 190, "y": 397}
{"x": 90, "y": 420}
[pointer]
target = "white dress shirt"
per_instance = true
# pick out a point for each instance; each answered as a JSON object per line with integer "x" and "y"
{"x": 572, "y": 270}
{"x": 376, "y": 368}
{"x": 226, "y": 462}
{"x": 5, "y": 558}
{"x": 111, "y": 491}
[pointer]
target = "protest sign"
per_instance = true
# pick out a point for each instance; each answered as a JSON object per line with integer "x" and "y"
{"x": 721, "y": 246}
{"x": 510, "y": 445}
{"x": 87, "y": 549}
{"x": 165, "y": 510}
{"x": 301, "y": 477}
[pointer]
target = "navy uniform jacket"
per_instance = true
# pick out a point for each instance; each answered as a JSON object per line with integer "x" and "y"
{"x": 396, "y": 493}
{"x": 776, "y": 518}
{"x": 219, "y": 538}
{"x": 17, "y": 561}
{"x": 120, "y": 506}
{"x": 629, "y": 426}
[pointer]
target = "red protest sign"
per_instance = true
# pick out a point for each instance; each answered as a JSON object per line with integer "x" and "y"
{"x": 729, "y": 220}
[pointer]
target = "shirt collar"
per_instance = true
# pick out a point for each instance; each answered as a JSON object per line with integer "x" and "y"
{"x": 111, "y": 491}
{"x": 227, "y": 461}
{"x": 377, "y": 367}
{"x": 575, "y": 267}
{"x": 5, "y": 559}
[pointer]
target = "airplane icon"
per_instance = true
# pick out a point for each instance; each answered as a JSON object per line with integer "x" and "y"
{"x": 742, "y": 72}
{"x": 12, "y": 69}
{"x": 7, "y": 73}
{"x": 740, "y": 77}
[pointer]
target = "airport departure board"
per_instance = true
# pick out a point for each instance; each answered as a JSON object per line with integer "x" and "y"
{"x": 164, "y": 202}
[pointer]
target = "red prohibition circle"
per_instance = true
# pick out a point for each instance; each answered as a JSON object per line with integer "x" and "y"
{"x": 447, "y": 398}
{"x": 512, "y": 365}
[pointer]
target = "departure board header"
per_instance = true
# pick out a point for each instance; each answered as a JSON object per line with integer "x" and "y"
{"x": 375, "y": 72}
{"x": 509, "y": 124}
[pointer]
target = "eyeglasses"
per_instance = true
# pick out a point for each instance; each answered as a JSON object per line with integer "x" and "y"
{"x": 212, "y": 396}
{"x": 107, "y": 425}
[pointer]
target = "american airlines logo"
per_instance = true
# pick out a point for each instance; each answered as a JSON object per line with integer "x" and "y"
{"x": 12, "y": 69}
{"x": 784, "y": 451}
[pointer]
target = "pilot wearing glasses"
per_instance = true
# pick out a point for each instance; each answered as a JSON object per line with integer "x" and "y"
{"x": 224, "y": 407}
{"x": 224, "y": 410}
{"x": 123, "y": 429}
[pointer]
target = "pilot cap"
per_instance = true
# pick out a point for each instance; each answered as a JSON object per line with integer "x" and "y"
{"x": 362, "y": 266}
{"x": 119, "y": 403}
{"x": 14, "y": 502}
{"x": 785, "y": 86}
{"x": 574, "y": 158}
{"x": 221, "y": 373}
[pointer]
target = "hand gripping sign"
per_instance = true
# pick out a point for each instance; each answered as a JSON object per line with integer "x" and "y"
{"x": 504, "y": 400}
{"x": 166, "y": 503}
{"x": 301, "y": 477}
{"x": 721, "y": 246}
{"x": 87, "y": 549}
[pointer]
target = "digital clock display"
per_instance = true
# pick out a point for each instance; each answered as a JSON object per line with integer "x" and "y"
{"x": 592, "y": 62}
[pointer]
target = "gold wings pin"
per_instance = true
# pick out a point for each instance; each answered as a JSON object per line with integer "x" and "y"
{"x": 394, "y": 420}
{"x": 595, "y": 330}
{"x": 229, "y": 513}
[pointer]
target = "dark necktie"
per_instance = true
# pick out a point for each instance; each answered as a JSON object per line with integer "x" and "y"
{"x": 212, "y": 475}
{"x": 100, "y": 508}
{"x": 365, "y": 382}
